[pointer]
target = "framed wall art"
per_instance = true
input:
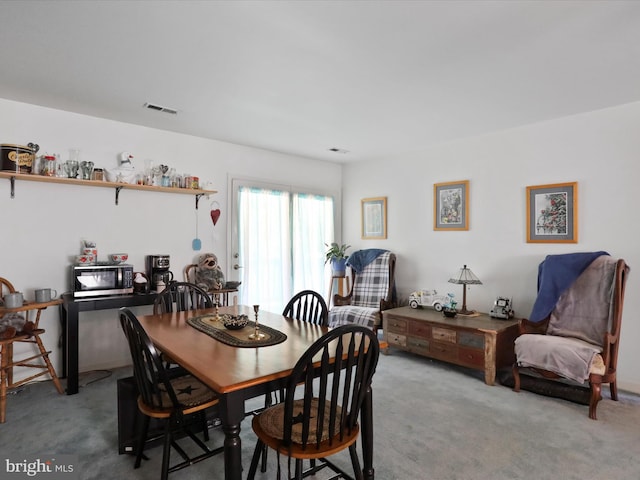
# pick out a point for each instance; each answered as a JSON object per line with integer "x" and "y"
{"x": 374, "y": 217}
{"x": 451, "y": 205}
{"x": 552, "y": 213}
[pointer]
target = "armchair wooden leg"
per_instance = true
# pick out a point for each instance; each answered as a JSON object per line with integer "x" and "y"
{"x": 595, "y": 398}
{"x": 613, "y": 388}
{"x": 516, "y": 378}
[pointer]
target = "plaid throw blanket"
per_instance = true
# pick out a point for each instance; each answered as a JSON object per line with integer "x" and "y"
{"x": 365, "y": 316}
{"x": 370, "y": 286}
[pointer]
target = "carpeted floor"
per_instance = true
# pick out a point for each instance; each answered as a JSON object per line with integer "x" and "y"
{"x": 432, "y": 421}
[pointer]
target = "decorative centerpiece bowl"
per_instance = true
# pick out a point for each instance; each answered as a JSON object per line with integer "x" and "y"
{"x": 449, "y": 312}
{"x": 232, "y": 284}
{"x": 117, "y": 258}
{"x": 234, "y": 322}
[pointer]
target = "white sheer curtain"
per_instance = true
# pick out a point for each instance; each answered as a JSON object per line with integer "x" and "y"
{"x": 312, "y": 227}
{"x": 281, "y": 237}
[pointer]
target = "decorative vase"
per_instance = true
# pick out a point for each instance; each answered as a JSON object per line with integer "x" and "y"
{"x": 339, "y": 267}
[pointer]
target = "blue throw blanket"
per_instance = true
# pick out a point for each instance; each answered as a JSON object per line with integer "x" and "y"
{"x": 361, "y": 258}
{"x": 555, "y": 274}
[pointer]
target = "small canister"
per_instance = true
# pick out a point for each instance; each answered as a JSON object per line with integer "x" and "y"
{"x": 48, "y": 166}
{"x": 195, "y": 183}
{"x": 98, "y": 174}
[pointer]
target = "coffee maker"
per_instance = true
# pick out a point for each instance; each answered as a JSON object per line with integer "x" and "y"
{"x": 158, "y": 272}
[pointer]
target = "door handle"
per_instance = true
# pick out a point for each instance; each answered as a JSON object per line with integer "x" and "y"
{"x": 236, "y": 266}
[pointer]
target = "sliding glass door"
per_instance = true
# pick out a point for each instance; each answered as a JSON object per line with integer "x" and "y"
{"x": 278, "y": 241}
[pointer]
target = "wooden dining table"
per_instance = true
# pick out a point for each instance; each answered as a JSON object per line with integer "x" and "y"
{"x": 237, "y": 374}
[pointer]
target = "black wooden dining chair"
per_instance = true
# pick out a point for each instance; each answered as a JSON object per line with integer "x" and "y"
{"x": 308, "y": 306}
{"x": 323, "y": 398}
{"x": 181, "y": 296}
{"x": 171, "y": 396}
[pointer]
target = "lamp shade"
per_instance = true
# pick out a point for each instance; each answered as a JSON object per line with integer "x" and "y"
{"x": 465, "y": 277}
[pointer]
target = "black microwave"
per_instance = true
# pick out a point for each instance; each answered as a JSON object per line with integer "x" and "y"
{"x": 101, "y": 279}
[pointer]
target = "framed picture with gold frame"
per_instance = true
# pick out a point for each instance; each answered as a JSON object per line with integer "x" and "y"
{"x": 451, "y": 205}
{"x": 374, "y": 217}
{"x": 552, "y": 213}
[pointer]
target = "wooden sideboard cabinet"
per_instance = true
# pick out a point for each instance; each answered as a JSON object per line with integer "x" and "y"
{"x": 479, "y": 342}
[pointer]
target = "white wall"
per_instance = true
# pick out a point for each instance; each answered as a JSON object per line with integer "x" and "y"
{"x": 42, "y": 227}
{"x": 599, "y": 150}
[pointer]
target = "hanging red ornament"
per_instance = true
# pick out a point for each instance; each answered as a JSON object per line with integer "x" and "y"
{"x": 215, "y": 213}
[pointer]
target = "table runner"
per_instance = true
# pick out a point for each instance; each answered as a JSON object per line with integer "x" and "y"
{"x": 236, "y": 338}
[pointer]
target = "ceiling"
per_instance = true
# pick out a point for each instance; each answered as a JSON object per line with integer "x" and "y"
{"x": 374, "y": 78}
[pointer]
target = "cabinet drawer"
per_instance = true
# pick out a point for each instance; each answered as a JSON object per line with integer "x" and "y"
{"x": 444, "y": 351}
{"x": 419, "y": 329}
{"x": 417, "y": 342}
{"x": 396, "y": 325}
{"x": 472, "y": 340}
{"x": 443, "y": 335}
{"x": 471, "y": 357}
{"x": 396, "y": 339}
{"x": 418, "y": 345}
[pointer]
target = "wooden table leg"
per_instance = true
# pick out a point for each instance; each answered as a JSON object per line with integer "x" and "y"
{"x": 231, "y": 415}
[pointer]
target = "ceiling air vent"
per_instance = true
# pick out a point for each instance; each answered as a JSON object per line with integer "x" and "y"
{"x": 159, "y": 108}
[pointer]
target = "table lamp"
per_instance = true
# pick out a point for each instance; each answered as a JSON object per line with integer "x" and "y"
{"x": 465, "y": 277}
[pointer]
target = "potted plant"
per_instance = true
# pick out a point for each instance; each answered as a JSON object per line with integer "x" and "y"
{"x": 338, "y": 257}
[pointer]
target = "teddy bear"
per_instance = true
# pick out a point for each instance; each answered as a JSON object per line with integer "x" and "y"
{"x": 12, "y": 324}
{"x": 208, "y": 273}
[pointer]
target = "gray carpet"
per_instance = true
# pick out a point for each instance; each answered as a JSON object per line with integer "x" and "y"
{"x": 432, "y": 421}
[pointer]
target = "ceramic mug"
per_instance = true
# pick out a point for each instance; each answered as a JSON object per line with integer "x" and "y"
{"x": 13, "y": 300}
{"x": 45, "y": 295}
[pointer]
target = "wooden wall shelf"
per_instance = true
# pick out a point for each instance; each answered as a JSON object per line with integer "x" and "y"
{"x": 97, "y": 183}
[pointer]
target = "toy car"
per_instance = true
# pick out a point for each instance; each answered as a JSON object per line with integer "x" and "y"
{"x": 429, "y": 298}
{"x": 502, "y": 308}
